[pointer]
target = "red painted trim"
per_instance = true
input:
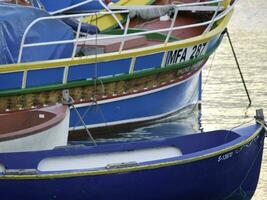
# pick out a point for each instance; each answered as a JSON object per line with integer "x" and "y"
{"x": 58, "y": 113}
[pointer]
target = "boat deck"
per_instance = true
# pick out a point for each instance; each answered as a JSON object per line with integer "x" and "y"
{"x": 28, "y": 122}
{"x": 183, "y": 20}
{"x": 108, "y": 45}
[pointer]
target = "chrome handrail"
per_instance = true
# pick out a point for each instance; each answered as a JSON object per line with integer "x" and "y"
{"x": 125, "y": 35}
{"x": 22, "y": 45}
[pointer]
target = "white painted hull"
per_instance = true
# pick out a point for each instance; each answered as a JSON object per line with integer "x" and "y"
{"x": 44, "y": 140}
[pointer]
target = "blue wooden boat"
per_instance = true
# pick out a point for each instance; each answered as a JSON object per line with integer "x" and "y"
{"x": 222, "y": 164}
{"x": 144, "y": 72}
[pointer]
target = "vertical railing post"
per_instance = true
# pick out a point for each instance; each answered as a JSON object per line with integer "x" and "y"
{"x": 213, "y": 19}
{"x": 125, "y": 33}
{"x": 113, "y": 15}
{"x": 77, "y": 37}
{"x": 21, "y": 48}
{"x": 172, "y": 25}
{"x": 24, "y": 79}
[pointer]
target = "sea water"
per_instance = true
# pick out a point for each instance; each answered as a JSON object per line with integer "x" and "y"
{"x": 224, "y": 100}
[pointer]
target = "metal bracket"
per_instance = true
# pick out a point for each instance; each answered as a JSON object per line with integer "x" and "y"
{"x": 259, "y": 115}
{"x": 66, "y": 98}
{"x": 260, "y": 119}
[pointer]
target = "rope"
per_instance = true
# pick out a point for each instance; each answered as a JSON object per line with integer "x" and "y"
{"x": 87, "y": 130}
{"x": 96, "y": 58}
{"x": 94, "y": 100}
{"x": 68, "y": 100}
{"x": 237, "y": 64}
{"x": 209, "y": 71}
{"x": 96, "y": 79}
{"x": 84, "y": 114}
{"x": 207, "y": 78}
{"x": 241, "y": 124}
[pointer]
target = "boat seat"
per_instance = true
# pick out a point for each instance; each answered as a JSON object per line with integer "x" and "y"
{"x": 108, "y": 159}
{"x": 28, "y": 122}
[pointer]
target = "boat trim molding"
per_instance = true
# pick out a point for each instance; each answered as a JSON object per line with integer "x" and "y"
{"x": 125, "y": 54}
{"x": 123, "y": 77}
{"x": 134, "y": 168}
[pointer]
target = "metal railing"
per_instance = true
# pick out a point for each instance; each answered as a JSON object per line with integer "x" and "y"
{"x": 86, "y": 2}
{"x": 125, "y": 35}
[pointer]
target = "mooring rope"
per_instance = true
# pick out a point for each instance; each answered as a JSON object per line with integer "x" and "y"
{"x": 96, "y": 59}
{"x": 238, "y": 66}
{"x": 68, "y": 100}
{"x": 96, "y": 79}
{"x": 208, "y": 75}
{"x": 94, "y": 95}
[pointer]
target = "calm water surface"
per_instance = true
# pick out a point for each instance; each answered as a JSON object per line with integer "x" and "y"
{"x": 224, "y": 99}
{"x": 225, "y": 102}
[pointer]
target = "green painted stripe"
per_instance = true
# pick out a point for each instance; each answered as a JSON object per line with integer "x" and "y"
{"x": 122, "y": 21}
{"x": 124, "y": 54}
{"x": 135, "y": 168}
{"x": 150, "y": 36}
{"x": 106, "y": 80}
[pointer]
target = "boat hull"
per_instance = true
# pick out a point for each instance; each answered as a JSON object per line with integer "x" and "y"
{"x": 141, "y": 106}
{"x": 231, "y": 174}
{"x": 118, "y": 87}
{"x": 39, "y": 137}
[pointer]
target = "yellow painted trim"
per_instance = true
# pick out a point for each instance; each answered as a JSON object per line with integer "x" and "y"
{"x": 135, "y": 168}
{"x": 104, "y": 22}
{"x": 115, "y": 55}
{"x": 226, "y": 3}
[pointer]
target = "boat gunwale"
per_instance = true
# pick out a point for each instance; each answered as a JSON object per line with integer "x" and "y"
{"x": 239, "y": 142}
{"x": 122, "y": 77}
{"x": 7, "y": 68}
{"x": 59, "y": 112}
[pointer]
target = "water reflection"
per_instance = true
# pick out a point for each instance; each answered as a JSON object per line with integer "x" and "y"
{"x": 224, "y": 103}
{"x": 186, "y": 122}
{"x": 224, "y": 99}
